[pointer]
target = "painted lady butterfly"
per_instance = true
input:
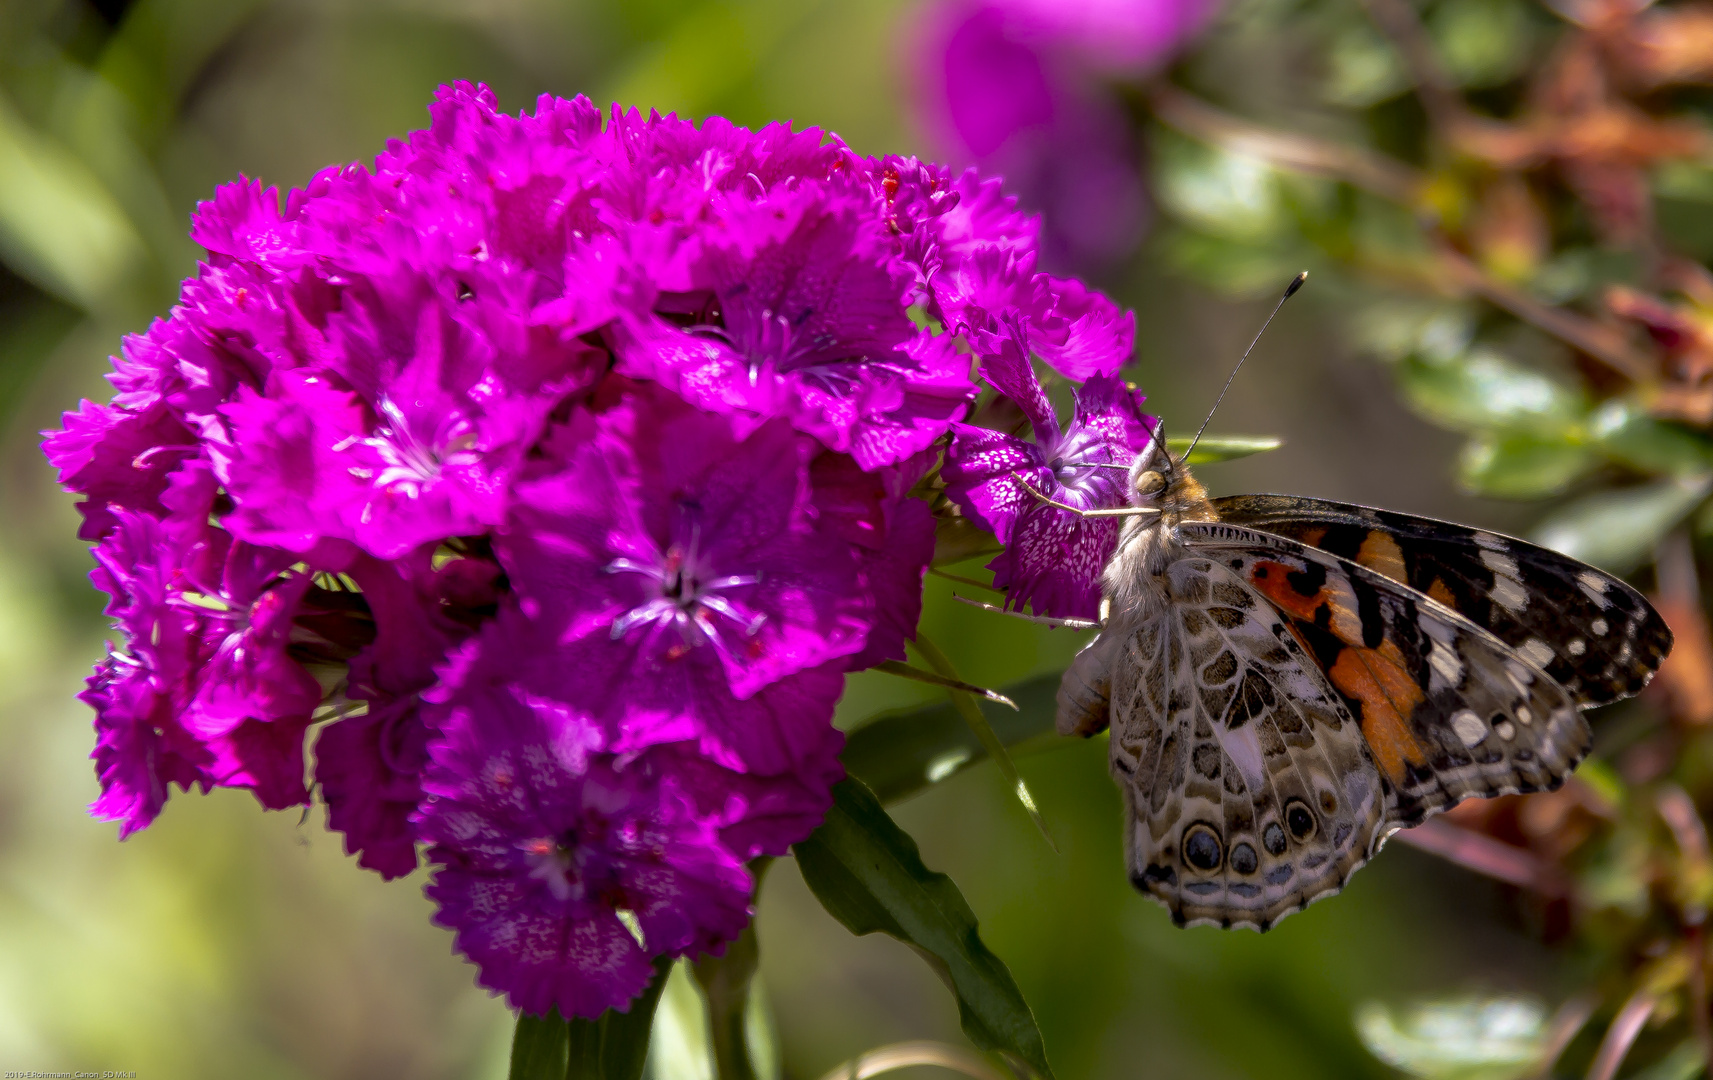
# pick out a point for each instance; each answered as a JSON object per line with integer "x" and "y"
{"x": 1289, "y": 681}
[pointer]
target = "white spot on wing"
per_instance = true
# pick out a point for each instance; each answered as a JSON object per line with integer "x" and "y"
{"x": 1594, "y": 587}
{"x": 1489, "y": 542}
{"x": 1468, "y": 726}
{"x": 1576, "y": 647}
{"x": 1507, "y": 590}
{"x": 1506, "y": 730}
{"x": 1447, "y": 668}
{"x": 1536, "y": 652}
{"x": 1499, "y": 563}
{"x": 1599, "y": 627}
{"x": 1508, "y": 594}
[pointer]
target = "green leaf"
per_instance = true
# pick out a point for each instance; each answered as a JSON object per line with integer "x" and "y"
{"x": 59, "y": 226}
{"x": 1685, "y": 1061}
{"x": 1628, "y": 435}
{"x": 1232, "y": 196}
{"x": 681, "y": 1046}
{"x": 1362, "y": 68}
{"x": 1521, "y": 465}
{"x": 868, "y": 874}
{"x": 1476, "y": 1039}
{"x": 1233, "y": 267}
{"x": 900, "y": 754}
{"x": 1224, "y": 447}
{"x": 612, "y": 1046}
{"x": 1482, "y": 389}
{"x": 1617, "y": 530}
{"x": 966, "y": 707}
{"x": 1482, "y": 42}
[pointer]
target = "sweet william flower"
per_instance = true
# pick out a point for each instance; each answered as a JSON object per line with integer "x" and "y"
{"x": 544, "y": 849}
{"x": 369, "y": 765}
{"x": 797, "y": 310}
{"x": 675, "y": 582}
{"x": 573, "y": 453}
{"x": 1053, "y": 557}
{"x": 204, "y": 692}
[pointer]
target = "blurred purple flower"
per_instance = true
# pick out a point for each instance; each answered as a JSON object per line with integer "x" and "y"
{"x": 1015, "y": 87}
{"x": 1053, "y": 557}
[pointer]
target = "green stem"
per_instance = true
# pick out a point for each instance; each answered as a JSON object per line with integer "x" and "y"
{"x": 977, "y": 720}
{"x": 725, "y": 982}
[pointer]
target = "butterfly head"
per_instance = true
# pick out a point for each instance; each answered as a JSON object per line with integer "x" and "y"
{"x": 1161, "y": 481}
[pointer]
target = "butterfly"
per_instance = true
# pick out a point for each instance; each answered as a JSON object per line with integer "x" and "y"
{"x": 1289, "y": 681}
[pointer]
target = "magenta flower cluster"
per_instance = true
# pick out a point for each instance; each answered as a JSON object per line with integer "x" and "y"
{"x": 554, "y": 471}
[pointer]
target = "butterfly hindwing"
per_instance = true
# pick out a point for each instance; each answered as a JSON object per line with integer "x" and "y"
{"x": 1447, "y": 709}
{"x": 1594, "y": 634}
{"x": 1248, "y": 788}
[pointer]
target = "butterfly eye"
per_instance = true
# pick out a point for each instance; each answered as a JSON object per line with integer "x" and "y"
{"x": 1150, "y": 483}
{"x": 1202, "y": 849}
{"x": 1299, "y": 818}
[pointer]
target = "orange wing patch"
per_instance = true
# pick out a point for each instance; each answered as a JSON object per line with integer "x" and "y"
{"x": 1272, "y": 580}
{"x": 1440, "y": 591}
{"x": 1381, "y": 554}
{"x": 1379, "y": 680}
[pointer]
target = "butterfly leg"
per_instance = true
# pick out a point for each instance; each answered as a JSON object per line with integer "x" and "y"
{"x": 1122, "y": 511}
{"x": 1056, "y": 622}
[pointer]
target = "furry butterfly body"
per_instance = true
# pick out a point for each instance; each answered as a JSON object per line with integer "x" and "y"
{"x": 1289, "y": 681}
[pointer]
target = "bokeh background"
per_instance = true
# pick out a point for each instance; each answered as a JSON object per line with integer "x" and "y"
{"x": 227, "y": 942}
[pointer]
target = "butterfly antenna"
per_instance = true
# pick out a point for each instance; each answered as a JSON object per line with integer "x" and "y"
{"x": 1290, "y": 291}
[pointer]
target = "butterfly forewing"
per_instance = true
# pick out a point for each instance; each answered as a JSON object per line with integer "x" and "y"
{"x": 1248, "y": 787}
{"x": 1595, "y": 635}
{"x": 1448, "y": 710}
